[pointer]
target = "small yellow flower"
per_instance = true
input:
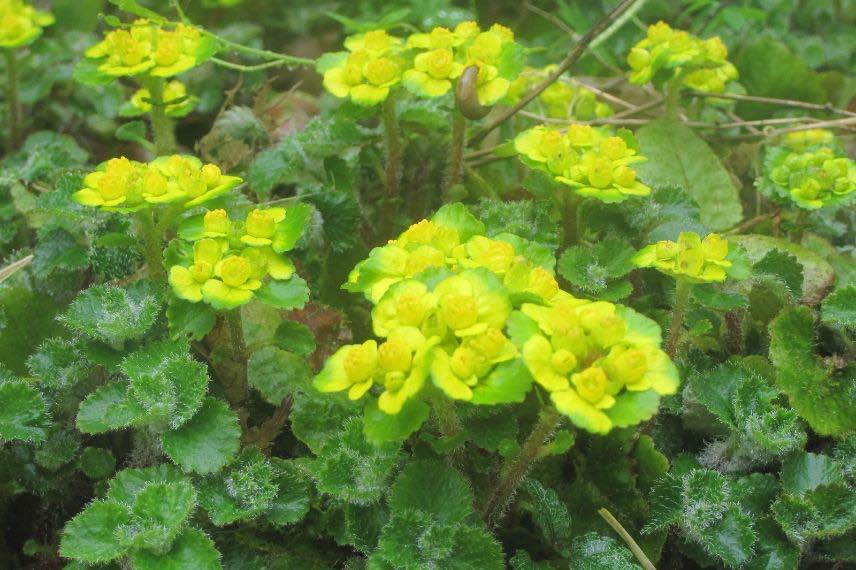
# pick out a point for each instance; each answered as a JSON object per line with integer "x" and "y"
{"x": 233, "y": 283}
{"x": 20, "y": 23}
{"x": 432, "y": 73}
{"x": 692, "y": 258}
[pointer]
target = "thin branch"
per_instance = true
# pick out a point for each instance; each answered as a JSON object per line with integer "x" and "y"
{"x": 628, "y": 540}
{"x": 773, "y": 101}
{"x": 604, "y": 95}
{"x": 14, "y": 267}
{"x": 240, "y": 67}
{"x": 837, "y": 123}
{"x": 569, "y": 60}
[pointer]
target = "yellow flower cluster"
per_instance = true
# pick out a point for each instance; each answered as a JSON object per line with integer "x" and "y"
{"x": 126, "y": 185}
{"x": 562, "y": 99}
{"x": 427, "y": 64}
{"x": 690, "y": 258}
{"x": 666, "y": 54}
{"x": 228, "y": 262}
{"x": 809, "y": 170}
{"x": 593, "y": 161}
{"x": 472, "y": 314}
{"x": 149, "y": 49}
{"x": 20, "y": 23}
{"x": 601, "y": 363}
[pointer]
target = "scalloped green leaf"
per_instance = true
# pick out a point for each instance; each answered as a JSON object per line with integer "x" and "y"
{"x": 839, "y": 308}
{"x": 23, "y": 415}
{"x": 91, "y": 535}
{"x": 106, "y": 409}
{"x": 193, "y": 549}
{"x": 114, "y": 314}
{"x": 206, "y": 442}
{"x": 287, "y": 295}
{"x": 276, "y": 373}
{"x": 433, "y": 488}
{"x": 380, "y": 427}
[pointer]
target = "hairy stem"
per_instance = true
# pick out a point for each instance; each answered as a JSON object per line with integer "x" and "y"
{"x": 456, "y": 149}
{"x": 515, "y": 468}
{"x": 673, "y": 97}
{"x": 392, "y": 141}
{"x": 12, "y": 97}
{"x": 152, "y": 244}
{"x": 682, "y": 299}
{"x": 447, "y": 417}
{"x": 162, "y": 126}
{"x": 570, "y": 205}
{"x": 235, "y": 381}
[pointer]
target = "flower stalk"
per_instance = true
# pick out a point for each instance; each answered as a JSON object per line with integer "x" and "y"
{"x": 152, "y": 245}
{"x": 162, "y": 126}
{"x": 392, "y": 142}
{"x": 514, "y": 470}
{"x": 456, "y": 149}
{"x": 682, "y": 299}
{"x": 12, "y": 97}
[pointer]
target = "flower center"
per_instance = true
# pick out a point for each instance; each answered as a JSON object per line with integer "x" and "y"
{"x": 463, "y": 362}
{"x": 563, "y": 361}
{"x": 381, "y": 71}
{"x": 216, "y": 222}
{"x": 168, "y": 50}
{"x": 260, "y": 224}
{"x": 207, "y": 250}
{"x": 410, "y": 310}
{"x": 201, "y": 271}
{"x": 591, "y": 384}
{"x": 360, "y": 363}
{"x": 459, "y": 311}
{"x": 440, "y": 63}
{"x": 394, "y": 356}
{"x": 235, "y": 270}
{"x": 211, "y": 175}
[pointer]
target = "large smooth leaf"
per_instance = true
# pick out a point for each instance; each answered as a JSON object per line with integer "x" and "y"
{"x": 678, "y": 157}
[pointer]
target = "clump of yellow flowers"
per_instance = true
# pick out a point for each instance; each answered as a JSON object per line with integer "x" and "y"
{"x": 147, "y": 48}
{"x": 226, "y": 263}
{"x": 810, "y": 170}
{"x": 595, "y": 162}
{"x": 124, "y": 185}
{"x": 690, "y": 258}
{"x": 563, "y": 99}
{"x": 666, "y": 54}
{"x": 20, "y": 23}
{"x": 471, "y": 318}
{"x": 426, "y": 64}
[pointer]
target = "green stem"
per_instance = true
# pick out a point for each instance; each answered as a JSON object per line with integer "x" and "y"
{"x": 456, "y": 149}
{"x": 392, "y": 141}
{"x": 12, "y": 97}
{"x": 447, "y": 417}
{"x": 152, "y": 244}
{"x": 628, "y": 540}
{"x": 570, "y": 203}
{"x": 673, "y": 97}
{"x": 515, "y": 468}
{"x": 162, "y": 126}
{"x": 236, "y": 387}
{"x": 682, "y": 299}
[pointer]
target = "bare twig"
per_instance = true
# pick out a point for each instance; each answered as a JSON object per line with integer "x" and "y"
{"x": 773, "y": 101}
{"x": 569, "y": 60}
{"x": 14, "y": 267}
{"x": 837, "y": 123}
{"x": 628, "y": 540}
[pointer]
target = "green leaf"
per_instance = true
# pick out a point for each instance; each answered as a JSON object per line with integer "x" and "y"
{"x": 839, "y": 308}
{"x": 783, "y": 266}
{"x": 593, "y": 269}
{"x": 292, "y": 502}
{"x": 276, "y": 373}
{"x": 96, "y": 462}
{"x": 133, "y": 131}
{"x": 114, "y": 314}
{"x": 317, "y": 418}
{"x": 678, "y": 157}
{"x": 193, "y": 549}
{"x": 818, "y": 274}
{"x": 192, "y": 320}
{"x": 633, "y": 407}
{"x": 549, "y": 514}
{"x": 457, "y": 216}
{"x": 28, "y": 318}
{"x": 135, "y": 8}
{"x": 167, "y": 387}
{"x": 352, "y": 469}
{"x": 711, "y": 297}
{"x": 804, "y": 472}
{"x": 433, "y": 488}
{"x": 208, "y": 441}
{"x": 380, "y": 427}
{"x": 790, "y": 78}
{"x": 813, "y": 392}
{"x": 59, "y": 363}
{"x": 91, "y": 535}
{"x": 289, "y": 230}
{"x": 159, "y": 511}
{"x": 732, "y": 539}
{"x": 247, "y": 488}
{"x": 22, "y": 410}
{"x": 825, "y": 512}
{"x": 58, "y": 251}
{"x": 592, "y": 551}
{"x": 295, "y": 337}
{"x": 106, "y": 409}
{"x": 528, "y": 219}
{"x": 128, "y": 483}
{"x": 287, "y": 295}
{"x": 509, "y": 382}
